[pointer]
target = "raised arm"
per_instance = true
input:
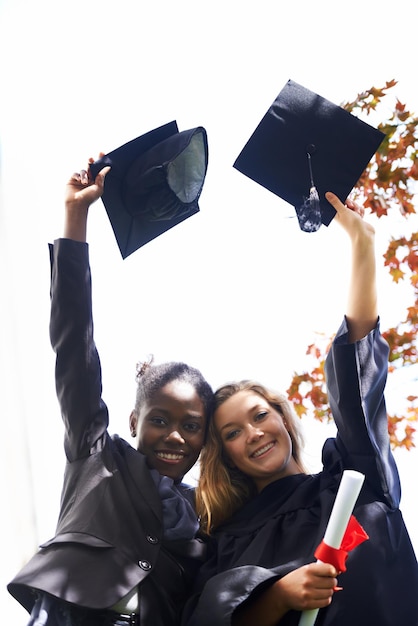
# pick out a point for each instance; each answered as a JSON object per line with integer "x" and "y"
{"x": 361, "y": 310}
{"x": 81, "y": 191}
{"x": 356, "y": 371}
{"x": 77, "y": 371}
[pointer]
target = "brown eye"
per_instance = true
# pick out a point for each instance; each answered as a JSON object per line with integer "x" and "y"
{"x": 157, "y": 421}
{"x": 231, "y": 435}
{"x": 192, "y": 427}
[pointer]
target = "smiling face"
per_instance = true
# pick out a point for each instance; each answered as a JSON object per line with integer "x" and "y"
{"x": 170, "y": 429}
{"x": 254, "y": 438}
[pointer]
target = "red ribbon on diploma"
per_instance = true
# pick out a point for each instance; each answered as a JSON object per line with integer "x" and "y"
{"x": 353, "y": 537}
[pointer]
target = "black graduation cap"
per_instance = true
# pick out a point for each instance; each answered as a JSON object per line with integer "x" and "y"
{"x": 154, "y": 183}
{"x": 305, "y": 146}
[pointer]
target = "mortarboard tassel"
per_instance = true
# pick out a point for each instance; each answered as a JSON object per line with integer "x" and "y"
{"x": 309, "y": 214}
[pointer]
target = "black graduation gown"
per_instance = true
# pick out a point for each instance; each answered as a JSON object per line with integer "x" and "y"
{"x": 110, "y": 534}
{"x": 279, "y": 530}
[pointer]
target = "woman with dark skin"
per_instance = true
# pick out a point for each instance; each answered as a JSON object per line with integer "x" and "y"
{"x": 266, "y": 515}
{"x": 125, "y": 550}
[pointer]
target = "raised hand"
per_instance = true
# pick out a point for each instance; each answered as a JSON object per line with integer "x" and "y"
{"x": 80, "y": 192}
{"x": 350, "y": 217}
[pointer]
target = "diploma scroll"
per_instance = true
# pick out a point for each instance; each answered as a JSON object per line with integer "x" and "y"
{"x": 345, "y": 500}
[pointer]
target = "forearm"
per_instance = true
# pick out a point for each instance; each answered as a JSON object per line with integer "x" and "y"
{"x": 362, "y": 312}
{"x": 224, "y": 593}
{"x": 265, "y": 610}
{"x": 75, "y": 224}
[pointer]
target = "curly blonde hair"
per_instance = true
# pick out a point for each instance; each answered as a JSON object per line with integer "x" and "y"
{"x": 223, "y": 489}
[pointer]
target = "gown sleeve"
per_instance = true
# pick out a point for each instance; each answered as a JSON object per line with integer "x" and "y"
{"x": 225, "y": 592}
{"x": 77, "y": 369}
{"x": 356, "y": 377}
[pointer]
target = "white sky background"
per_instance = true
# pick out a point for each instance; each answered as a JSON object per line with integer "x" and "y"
{"x": 237, "y": 290}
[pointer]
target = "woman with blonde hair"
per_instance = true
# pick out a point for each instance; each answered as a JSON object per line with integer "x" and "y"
{"x": 223, "y": 488}
{"x": 265, "y": 516}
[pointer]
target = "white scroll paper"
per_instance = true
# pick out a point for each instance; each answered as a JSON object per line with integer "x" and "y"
{"x": 345, "y": 500}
